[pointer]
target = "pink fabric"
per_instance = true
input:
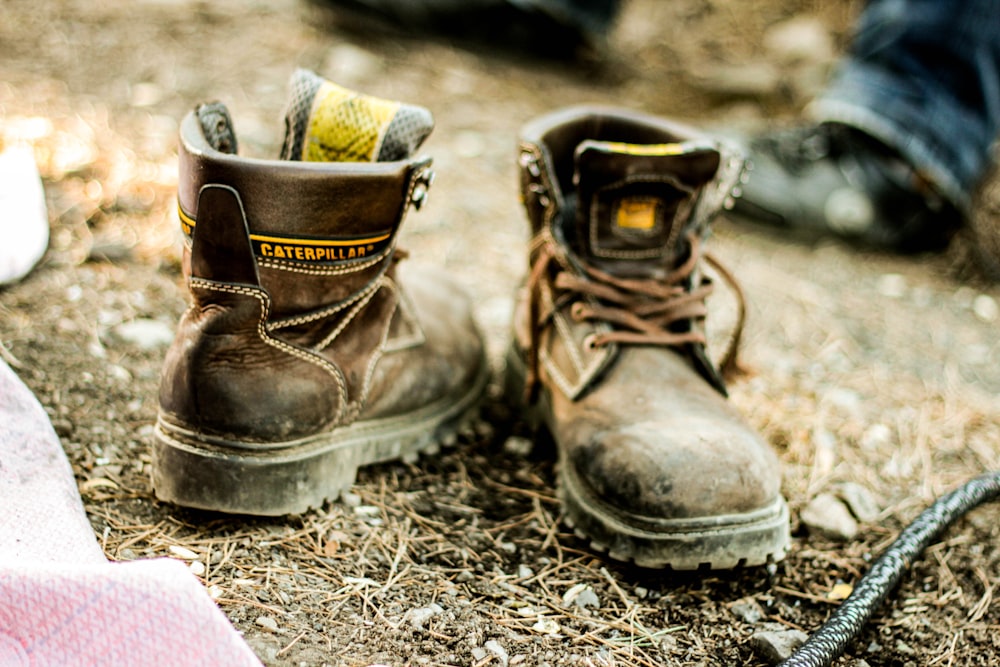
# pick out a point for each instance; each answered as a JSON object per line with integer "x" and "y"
{"x": 61, "y": 602}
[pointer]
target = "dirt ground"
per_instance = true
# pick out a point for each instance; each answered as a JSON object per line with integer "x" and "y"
{"x": 868, "y": 369}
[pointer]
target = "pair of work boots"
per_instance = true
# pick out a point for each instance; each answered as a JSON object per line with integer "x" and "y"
{"x": 312, "y": 348}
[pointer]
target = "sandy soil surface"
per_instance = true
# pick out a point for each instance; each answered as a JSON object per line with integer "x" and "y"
{"x": 868, "y": 370}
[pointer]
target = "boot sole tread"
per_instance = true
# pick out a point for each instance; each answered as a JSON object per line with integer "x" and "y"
{"x": 228, "y": 476}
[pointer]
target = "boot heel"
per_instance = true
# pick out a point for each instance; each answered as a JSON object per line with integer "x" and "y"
{"x": 273, "y": 483}
{"x": 275, "y": 479}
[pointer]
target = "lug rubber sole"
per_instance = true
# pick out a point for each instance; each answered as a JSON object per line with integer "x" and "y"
{"x": 195, "y": 471}
{"x": 722, "y": 542}
{"x": 714, "y": 543}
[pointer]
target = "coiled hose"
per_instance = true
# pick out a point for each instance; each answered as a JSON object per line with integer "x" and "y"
{"x": 833, "y": 637}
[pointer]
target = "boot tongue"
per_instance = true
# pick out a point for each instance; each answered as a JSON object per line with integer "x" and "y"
{"x": 327, "y": 123}
{"x": 634, "y": 203}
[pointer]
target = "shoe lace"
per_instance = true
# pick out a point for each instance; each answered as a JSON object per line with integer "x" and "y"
{"x": 641, "y": 311}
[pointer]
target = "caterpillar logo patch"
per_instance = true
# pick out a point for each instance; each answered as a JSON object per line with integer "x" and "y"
{"x": 307, "y": 250}
{"x": 636, "y": 213}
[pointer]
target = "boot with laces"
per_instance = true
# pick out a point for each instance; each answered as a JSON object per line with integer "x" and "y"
{"x": 834, "y": 180}
{"x": 609, "y": 346}
{"x": 310, "y": 348}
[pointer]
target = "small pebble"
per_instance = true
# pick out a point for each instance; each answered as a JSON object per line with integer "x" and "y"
{"x": 418, "y": 617}
{"x": 777, "y": 645}
{"x": 351, "y": 64}
{"x": 749, "y": 79}
{"x": 183, "y": 552}
{"x": 546, "y": 626}
{"x": 800, "y": 38}
{"x": 826, "y": 515}
{"x": 859, "y": 501}
{"x": 267, "y": 623}
{"x": 875, "y": 436}
{"x": 517, "y": 446}
{"x": 985, "y": 307}
{"x": 144, "y": 334}
{"x": 494, "y": 647}
{"x": 748, "y": 610}
{"x": 891, "y": 285}
{"x": 367, "y": 510}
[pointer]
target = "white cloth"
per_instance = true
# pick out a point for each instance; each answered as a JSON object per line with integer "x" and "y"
{"x": 61, "y": 602}
{"x": 24, "y": 220}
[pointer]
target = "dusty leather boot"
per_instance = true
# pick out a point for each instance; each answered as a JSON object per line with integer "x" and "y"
{"x": 609, "y": 354}
{"x": 309, "y": 348}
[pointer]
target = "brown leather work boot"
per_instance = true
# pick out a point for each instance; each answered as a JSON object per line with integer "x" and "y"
{"x": 655, "y": 466}
{"x": 309, "y": 348}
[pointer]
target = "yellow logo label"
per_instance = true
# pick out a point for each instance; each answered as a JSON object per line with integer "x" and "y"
{"x": 646, "y": 150}
{"x": 307, "y": 250}
{"x": 636, "y": 214}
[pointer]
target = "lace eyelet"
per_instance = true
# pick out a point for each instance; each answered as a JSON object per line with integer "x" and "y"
{"x": 590, "y": 341}
{"x": 576, "y": 311}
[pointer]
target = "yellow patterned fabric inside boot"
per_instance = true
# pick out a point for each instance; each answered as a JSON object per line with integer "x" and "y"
{"x": 345, "y": 126}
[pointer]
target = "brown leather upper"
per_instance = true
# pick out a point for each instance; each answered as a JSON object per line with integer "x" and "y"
{"x": 299, "y": 321}
{"x": 611, "y": 321}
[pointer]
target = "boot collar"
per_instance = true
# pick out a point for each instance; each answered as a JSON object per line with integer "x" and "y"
{"x": 358, "y": 206}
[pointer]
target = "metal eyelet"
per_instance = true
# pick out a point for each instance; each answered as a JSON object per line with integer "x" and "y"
{"x": 421, "y": 187}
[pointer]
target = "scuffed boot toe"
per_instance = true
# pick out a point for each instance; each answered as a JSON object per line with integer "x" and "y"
{"x": 684, "y": 495}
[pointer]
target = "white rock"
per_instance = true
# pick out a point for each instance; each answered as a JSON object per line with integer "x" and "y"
{"x": 498, "y": 651}
{"x": 802, "y": 38}
{"x": 777, "y": 645}
{"x": 586, "y": 598}
{"x": 146, "y": 334}
{"x": 351, "y": 64}
{"x": 847, "y": 400}
{"x": 367, "y": 511}
{"x": 146, "y": 94}
{"x": 859, "y": 500}
{"x": 985, "y": 307}
{"x": 826, "y": 515}
{"x": 518, "y": 446}
{"x": 183, "y": 552}
{"x": 267, "y": 623}
{"x": 419, "y": 616}
{"x": 119, "y": 373}
{"x": 891, "y": 285}
{"x": 748, "y": 610}
{"x": 359, "y": 582}
{"x": 546, "y": 626}
{"x": 876, "y": 435}
{"x": 745, "y": 80}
